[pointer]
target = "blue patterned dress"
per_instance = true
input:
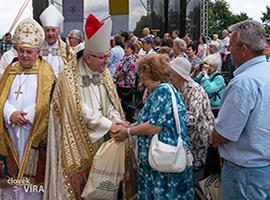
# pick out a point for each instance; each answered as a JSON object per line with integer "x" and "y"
{"x": 153, "y": 184}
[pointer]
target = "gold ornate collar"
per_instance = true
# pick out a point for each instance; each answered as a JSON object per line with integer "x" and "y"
{"x": 18, "y": 69}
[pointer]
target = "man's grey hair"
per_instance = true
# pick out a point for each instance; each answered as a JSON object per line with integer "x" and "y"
{"x": 134, "y": 39}
{"x": 251, "y": 33}
{"x": 225, "y": 31}
{"x": 180, "y": 43}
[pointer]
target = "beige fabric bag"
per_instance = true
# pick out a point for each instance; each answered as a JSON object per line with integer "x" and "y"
{"x": 211, "y": 187}
{"x": 106, "y": 172}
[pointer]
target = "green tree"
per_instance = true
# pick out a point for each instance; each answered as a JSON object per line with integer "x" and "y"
{"x": 143, "y": 22}
{"x": 220, "y": 17}
{"x": 241, "y": 17}
{"x": 266, "y": 19}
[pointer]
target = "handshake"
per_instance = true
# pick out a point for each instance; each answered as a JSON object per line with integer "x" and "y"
{"x": 120, "y": 130}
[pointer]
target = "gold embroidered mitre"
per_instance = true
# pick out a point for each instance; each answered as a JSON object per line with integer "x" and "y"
{"x": 29, "y": 34}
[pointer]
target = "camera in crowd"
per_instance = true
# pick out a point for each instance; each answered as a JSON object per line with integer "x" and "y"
{"x": 201, "y": 65}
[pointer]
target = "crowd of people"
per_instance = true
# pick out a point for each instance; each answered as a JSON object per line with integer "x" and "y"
{"x": 61, "y": 100}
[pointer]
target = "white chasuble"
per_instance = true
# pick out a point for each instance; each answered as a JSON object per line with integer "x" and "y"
{"x": 21, "y": 97}
{"x": 52, "y": 57}
{"x": 97, "y": 107}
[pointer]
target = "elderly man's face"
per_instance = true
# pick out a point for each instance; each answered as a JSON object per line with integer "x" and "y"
{"x": 224, "y": 34}
{"x": 96, "y": 62}
{"x": 212, "y": 49}
{"x": 235, "y": 49}
{"x": 145, "y": 32}
{"x": 27, "y": 56}
{"x": 51, "y": 34}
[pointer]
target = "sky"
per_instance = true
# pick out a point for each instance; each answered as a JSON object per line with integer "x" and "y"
{"x": 10, "y": 8}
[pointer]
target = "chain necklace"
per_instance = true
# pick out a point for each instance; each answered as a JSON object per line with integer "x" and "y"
{"x": 18, "y": 92}
{"x": 99, "y": 102}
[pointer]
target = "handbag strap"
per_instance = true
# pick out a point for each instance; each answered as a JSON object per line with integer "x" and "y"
{"x": 175, "y": 112}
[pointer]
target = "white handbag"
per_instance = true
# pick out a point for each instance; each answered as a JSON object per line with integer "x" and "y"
{"x": 167, "y": 158}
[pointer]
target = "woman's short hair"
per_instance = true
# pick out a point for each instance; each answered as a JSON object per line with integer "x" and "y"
{"x": 204, "y": 40}
{"x": 213, "y": 60}
{"x": 118, "y": 40}
{"x": 130, "y": 45}
{"x": 193, "y": 46}
{"x": 156, "y": 65}
{"x": 180, "y": 43}
{"x": 134, "y": 39}
{"x": 138, "y": 43}
{"x": 76, "y": 34}
{"x": 166, "y": 50}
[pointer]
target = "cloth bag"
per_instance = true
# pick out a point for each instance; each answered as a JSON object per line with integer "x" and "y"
{"x": 211, "y": 187}
{"x": 167, "y": 158}
{"x": 107, "y": 171}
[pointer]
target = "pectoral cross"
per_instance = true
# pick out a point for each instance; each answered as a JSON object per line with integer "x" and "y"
{"x": 18, "y": 92}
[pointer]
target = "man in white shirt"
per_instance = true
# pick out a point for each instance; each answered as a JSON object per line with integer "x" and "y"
{"x": 227, "y": 66}
{"x": 148, "y": 43}
{"x": 175, "y": 34}
{"x": 224, "y": 44}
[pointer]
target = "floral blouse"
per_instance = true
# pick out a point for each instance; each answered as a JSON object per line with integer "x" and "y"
{"x": 200, "y": 120}
{"x": 153, "y": 184}
{"x": 125, "y": 74}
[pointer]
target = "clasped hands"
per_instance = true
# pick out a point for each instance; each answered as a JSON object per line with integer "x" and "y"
{"x": 18, "y": 118}
{"x": 119, "y": 130}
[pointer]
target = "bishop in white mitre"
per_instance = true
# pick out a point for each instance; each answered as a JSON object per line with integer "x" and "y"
{"x": 24, "y": 101}
{"x": 55, "y": 51}
{"x": 85, "y": 109}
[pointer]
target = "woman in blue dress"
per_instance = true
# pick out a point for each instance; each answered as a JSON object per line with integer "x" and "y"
{"x": 156, "y": 117}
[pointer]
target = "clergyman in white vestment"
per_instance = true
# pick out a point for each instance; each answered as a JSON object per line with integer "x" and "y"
{"x": 25, "y": 91}
{"x": 54, "y": 50}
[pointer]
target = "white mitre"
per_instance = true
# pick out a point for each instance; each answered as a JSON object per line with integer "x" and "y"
{"x": 29, "y": 33}
{"x": 51, "y": 17}
{"x": 97, "y": 35}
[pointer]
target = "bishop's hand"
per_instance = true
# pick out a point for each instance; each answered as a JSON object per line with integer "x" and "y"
{"x": 121, "y": 133}
{"x": 118, "y": 126}
{"x": 18, "y": 118}
{"x": 123, "y": 123}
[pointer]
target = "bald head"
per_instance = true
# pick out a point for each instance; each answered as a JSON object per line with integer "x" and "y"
{"x": 146, "y": 31}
